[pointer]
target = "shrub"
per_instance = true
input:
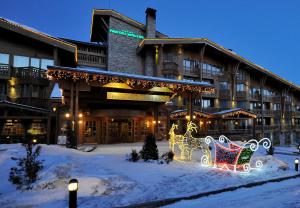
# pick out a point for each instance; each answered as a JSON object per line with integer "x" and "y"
{"x": 71, "y": 136}
{"x": 168, "y": 157}
{"x": 26, "y": 173}
{"x": 149, "y": 151}
{"x": 134, "y": 156}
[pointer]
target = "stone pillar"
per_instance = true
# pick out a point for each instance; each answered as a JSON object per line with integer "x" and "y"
{"x": 150, "y": 23}
{"x": 292, "y": 138}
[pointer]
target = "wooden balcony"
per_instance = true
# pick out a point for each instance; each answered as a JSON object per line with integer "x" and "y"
{"x": 224, "y": 94}
{"x": 91, "y": 59}
{"x": 29, "y": 72}
{"x": 267, "y": 127}
{"x": 276, "y": 99}
{"x": 4, "y": 71}
{"x": 192, "y": 72}
{"x": 255, "y": 96}
{"x": 241, "y": 95}
{"x": 213, "y": 109}
{"x": 297, "y": 114}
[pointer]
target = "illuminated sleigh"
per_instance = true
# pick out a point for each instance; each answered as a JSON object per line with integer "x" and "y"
{"x": 234, "y": 157}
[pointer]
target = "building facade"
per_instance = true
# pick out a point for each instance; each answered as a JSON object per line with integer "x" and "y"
{"x": 131, "y": 80}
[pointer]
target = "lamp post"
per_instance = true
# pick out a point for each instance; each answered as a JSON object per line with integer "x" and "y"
{"x": 296, "y": 164}
{"x": 73, "y": 187}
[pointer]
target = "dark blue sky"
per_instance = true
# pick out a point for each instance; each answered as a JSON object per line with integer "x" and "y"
{"x": 266, "y": 32}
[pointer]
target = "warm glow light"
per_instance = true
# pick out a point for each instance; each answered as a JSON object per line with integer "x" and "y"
{"x": 154, "y": 122}
{"x": 201, "y": 123}
{"x": 73, "y": 185}
{"x": 54, "y": 109}
{"x": 80, "y": 121}
{"x": 159, "y": 122}
{"x": 297, "y": 161}
{"x": 80, "y": 115}
{"x": 34, "y": 141}
{"x": 187, "y": 117}
{"x": 194, "y": 117}
{"x": 67, "y": 115}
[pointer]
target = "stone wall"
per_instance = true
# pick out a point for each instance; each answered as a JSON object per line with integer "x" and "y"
{"x": 122, "y": 55}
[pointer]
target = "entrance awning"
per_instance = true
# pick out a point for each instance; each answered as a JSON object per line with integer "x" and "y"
{"x": 234, "y": 113}
{"x": 225, "y": 114}
{"x": 182, "y": 113}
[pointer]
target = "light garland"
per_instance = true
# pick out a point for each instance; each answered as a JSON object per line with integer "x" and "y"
{"x": 133, "y": 82}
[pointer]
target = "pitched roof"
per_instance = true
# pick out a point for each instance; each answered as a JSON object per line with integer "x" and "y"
{"x": 182, "y": 41}
{"x": 36, "y": 34}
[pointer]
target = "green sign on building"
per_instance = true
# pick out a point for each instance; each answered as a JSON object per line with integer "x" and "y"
{"x": 126, "y": 33}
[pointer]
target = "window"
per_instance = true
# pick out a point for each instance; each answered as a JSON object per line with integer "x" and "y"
{"x": 187, "y": 64}
{"x": 4, "y": 58}
{"x": 224, "y": 85}
{"x": 206, "y": 103}
{"x": 90, "y": 128}
{"x": 34, "y": 62}
{"x": 208, "y": 81}
{"x": 211, "y": 69}
{"x": 268, "y": 93}
{"x": 45, "y": 63}
{"x": 240, "y": 87}
{"x": 241, "y": 75}
{"x": 254, "y": 91}
{"x": 255, "y": 105}
{"x": 276, "y": 106}
{"x": 21, "y": 61}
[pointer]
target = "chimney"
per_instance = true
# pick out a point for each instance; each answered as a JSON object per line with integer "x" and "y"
{"x": 150, "y": 23}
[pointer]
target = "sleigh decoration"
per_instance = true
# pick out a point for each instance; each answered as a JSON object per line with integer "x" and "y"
{"x": 227, "y": 154}
{"x": 234, "y": 157}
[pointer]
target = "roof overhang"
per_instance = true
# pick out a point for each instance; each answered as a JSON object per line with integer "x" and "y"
{"x": 4, "y": 103}
{"x": 133, "y": 80}
{"x": 37, "y": 35}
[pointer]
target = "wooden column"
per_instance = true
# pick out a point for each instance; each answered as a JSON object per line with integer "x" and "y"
{"x": 48, "y": 128}
{"x": 71, "y": 110}
{"x": 76, "y": 111}
{"x": 160, "y": 61}
{"x": 190, "y": 105}
{"x": 202, "y": 51}
{"x": 254, "y": 126}
{"x": 155, "y": 115}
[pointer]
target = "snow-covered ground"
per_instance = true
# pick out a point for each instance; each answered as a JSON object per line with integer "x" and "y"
{"x": 285, "y": 194}
{"x": 106, "y": 179}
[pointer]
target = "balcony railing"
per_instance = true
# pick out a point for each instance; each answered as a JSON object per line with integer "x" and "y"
{"x": 96, "y": 60}
{"x": 4, "y": 71}
{"x": 29, "y": 72}
{"x": 224, "y": 94}
{"x": 241, "y": 95}
{"x": 191, "y": 71}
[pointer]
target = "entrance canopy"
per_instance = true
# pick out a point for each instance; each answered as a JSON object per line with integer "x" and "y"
{"x": 137, "y": 82}
{"x": 225, "y": 114}
{"x": 183, "y": 113}
{"x": 234, "y": 113}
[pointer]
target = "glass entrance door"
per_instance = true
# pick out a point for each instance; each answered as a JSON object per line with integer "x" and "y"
{"x": 90, "y": 131}
{"x": 120, "y": 130}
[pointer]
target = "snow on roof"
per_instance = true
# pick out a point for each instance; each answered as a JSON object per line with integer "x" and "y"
{"x": 228, "y": 111}
{"x": 135, "y": 76}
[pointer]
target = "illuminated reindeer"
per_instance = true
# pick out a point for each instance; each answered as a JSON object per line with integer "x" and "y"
{"x": 187, "y": 143}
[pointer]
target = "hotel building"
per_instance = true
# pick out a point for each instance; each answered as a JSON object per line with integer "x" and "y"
{"x": 131, "y": 80}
